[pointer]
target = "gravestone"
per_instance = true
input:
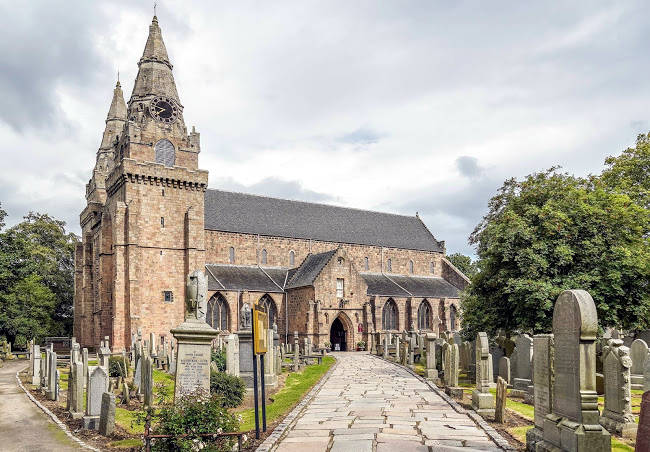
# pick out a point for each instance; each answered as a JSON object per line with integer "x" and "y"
{"x": 52, "y": 378}
{"x": 97, "y": 386}
{"x": 76, "y": 390}
{"x": 502, "y": 394}
{"x": 522, "y": 362}
{"x": 270, "y": 377}
{"x": 446, "y": 363}
{"x": 126, "y": 395}
{"x": 504, "y": 369}
{"x": 232, "y": 354}
{"x": 137, "y": 376}
{"x": 451, "y": 377}
{"x": 104, "y": 352}
{"x": 617, "y": 415}
{"x": 43, "y": 382}
{"x": 646, "y": 375}
{"x": 491, "y": 371}
{"x": 432, "y": 372}
{"x": 543, "y": 355}
{"x": 245, "y": 339}
{"x": 84, "y": 360}
{"x": 386, "y": 345}
{"x": 638, "y": 353}
{"x": 36, "y": 365}
{"x": 643, "y": 433}
{"x": 482, "y": 400}
{"x": 107, "y": 414}
{"x": 573, "y": 424}
{"x": 147, "y": 380}
{"x": 194, "y": 338}
{"x": 397, "y": 349}
{"x": 172, "y": 359}
{"x": 152, "y": 344}
{"x": 496, "y": 353}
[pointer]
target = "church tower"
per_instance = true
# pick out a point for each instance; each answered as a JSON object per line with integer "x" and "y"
{"x": 143, "y": 225}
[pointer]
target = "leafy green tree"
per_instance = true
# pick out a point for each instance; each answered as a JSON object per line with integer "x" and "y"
{"x": 463, "y": 263}
{"x": 630, "y": 172}
{"x": 551, "y": 232}
{"x": 36, "y": 272}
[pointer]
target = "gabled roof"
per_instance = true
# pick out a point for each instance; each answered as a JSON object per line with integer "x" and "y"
{"x": 388, "y": 285}
{"x": 309, "y": 270}
{"x": 244, "y": 277}
{"x": 252, "y": 214}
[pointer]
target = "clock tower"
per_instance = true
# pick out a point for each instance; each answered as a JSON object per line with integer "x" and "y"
{"x": 146, "y": 232}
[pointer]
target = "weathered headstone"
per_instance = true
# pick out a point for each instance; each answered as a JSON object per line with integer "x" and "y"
{"x": 84, "y": 360}
{"x": 646, "y": 375}
{"x": 147, "y": 380}
{"x": 43, "y": 382}
{"x": 36, "y": 365}
{"x": 76, "y": 390}
{"x": 504, "y": 369}
{"x": 52, "y": 378}
{"x": 245, "y": 339}
{"x": 107, "y": 414}
{"x": 397, "y": 349}
{"x": 232, "y": 354}
{"x": 451, "y": 379}
{"x": 482, "y": 400}
{"x": 573, "y": 424}
{"x": 194, "y": 338}
{"x": 543, "y": 355}
{"x": 270, "y": 377}
{"x": 104, "y": 353}
{"x": 502, "y": 394}
{"x": 643, "y": 433}
{"x": 638, "y": 353}
{"x": 126, "y": 395}
{"x": 97, "y": 385}
{"x": 522, "y": 362}
{"x": 296, "y": 352}
{"x": 432, "y": 372}
{"x": 386, "y": 346}
{"x": 617, "y": 416}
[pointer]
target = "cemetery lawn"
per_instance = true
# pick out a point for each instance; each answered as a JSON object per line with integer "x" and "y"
{"x": 296, "y": 386}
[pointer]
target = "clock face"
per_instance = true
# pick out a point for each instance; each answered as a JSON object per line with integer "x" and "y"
{"x": 164, "y": 109}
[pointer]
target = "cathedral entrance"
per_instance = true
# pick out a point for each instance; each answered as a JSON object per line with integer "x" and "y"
{"x": 337, "y": 336}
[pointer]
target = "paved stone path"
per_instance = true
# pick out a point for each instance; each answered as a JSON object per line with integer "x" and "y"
{"x": 368, "y": 404}
{"x": 23, "y": 426}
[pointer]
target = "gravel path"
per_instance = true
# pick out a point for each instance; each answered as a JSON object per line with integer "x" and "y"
{"x": 23, "y": 426}
{"x": 369, "y": 404}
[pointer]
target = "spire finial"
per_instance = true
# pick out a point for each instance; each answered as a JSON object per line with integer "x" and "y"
{"x": 154, "y": 9}
{"x": 118, "y": 76}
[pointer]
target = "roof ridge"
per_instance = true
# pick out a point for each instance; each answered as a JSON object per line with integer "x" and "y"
{"x": 315, "y": 203}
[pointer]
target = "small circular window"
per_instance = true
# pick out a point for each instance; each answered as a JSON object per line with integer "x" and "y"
{"x": 165, "y": 152}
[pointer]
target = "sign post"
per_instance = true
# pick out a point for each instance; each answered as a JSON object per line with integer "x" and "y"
{"x": 260, "y": 327}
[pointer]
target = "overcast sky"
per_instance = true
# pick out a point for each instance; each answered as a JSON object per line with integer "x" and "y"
{"x": 398, "y": 106}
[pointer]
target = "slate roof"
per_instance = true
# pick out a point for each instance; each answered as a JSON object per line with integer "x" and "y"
{"x": 309, "y": 270}
{"x": 243, "y": 277}
{"x": 407, "y": 286}
{"x": 252, "y": 214}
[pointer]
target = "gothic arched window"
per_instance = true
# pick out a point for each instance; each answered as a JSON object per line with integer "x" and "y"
{"x": 231, "y": 255}
{"x": 366, "y": 264}
{"x": 410, "y": 266}
{"x": 269, "y": 305}
{"x": 389, "y": 315}
{"x": 432, "y": 267}
{"x": 389, "y": 265}
{"x": 452, "y": 317}
{"x": 424, "y": 315}
{"x": 264, "y": 255}
{"x": 217, "y": 314}
{"x": 165, "y": 152}
{"x": 292, "y": 258}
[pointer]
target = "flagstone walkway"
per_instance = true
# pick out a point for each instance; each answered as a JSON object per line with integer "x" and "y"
{"x": 368, "y": 404}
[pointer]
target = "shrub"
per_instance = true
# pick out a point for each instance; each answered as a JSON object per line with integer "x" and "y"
{"x": 229, "y": 387}
{"x": 219, "y": 358}
{"x": 195, "y": 414}
{"x": 115, "y": 367}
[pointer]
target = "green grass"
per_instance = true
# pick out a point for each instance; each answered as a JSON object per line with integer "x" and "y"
{"x": 296, "y": 386}
{"x": 126, "y": 419}
{"x": 523, "y": 409}
{"x": 618, "y": 445}
{"x": 520, "y": 432}
{"x": 126, "y": 443}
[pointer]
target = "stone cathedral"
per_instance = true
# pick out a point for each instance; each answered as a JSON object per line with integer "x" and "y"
{"x": 330, "y": 273}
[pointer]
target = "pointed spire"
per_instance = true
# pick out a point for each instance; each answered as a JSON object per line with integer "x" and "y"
{"x": 117, "y": 109}
{"x": 154, "y": 49}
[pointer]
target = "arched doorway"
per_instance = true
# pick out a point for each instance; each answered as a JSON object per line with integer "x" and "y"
{"x": 338, "y": 335}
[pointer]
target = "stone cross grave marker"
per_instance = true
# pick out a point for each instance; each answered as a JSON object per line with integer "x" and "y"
{"x": 617, "y": 416}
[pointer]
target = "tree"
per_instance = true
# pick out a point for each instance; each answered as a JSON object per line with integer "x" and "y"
{"x": 629, "y": 173}
{"x": 36, "y": 273}
{"x": 552, "y": 232}
{"x": 463, "y": 263}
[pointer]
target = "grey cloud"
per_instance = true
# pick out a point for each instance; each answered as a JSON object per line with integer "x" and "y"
{"x": 44, "y": 44}
{"x": 468, "y": 166}
{"x": 273, "y": 186}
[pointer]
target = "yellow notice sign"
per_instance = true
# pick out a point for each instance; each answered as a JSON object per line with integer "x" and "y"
{"x": 260, "y": 323}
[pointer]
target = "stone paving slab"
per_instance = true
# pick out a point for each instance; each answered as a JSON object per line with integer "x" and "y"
{"x": 369, "y": 404}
